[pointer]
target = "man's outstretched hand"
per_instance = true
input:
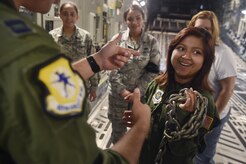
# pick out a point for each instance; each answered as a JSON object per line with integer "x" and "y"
{"x": 112, "y": 56}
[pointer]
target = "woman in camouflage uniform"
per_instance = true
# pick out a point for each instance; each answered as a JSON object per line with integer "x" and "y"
{"x": 74, "y": 41}
{"x": 138, "y": 72}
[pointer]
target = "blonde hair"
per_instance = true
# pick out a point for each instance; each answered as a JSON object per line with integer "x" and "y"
{"x": 214, "y": 21}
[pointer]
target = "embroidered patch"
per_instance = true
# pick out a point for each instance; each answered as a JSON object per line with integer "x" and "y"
{"x": 17, "y": 26}
{"x": 65, "y": 90}
{"x": 157, "y": 96}
{"x": 207, "y": 122}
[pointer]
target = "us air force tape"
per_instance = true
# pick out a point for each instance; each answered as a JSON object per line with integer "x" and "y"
{"x": 65, "y": 92}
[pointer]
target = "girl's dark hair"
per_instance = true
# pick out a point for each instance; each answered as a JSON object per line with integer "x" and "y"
{"x": 70, "y": 3}
{"x": 200, "y": 80}
{"x": 133, "y": 7}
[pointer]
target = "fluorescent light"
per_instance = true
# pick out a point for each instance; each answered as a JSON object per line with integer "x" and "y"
{"x": 135, "y": 2}
{"x": 139, "y": 2}
{"x": 142, "y": 3}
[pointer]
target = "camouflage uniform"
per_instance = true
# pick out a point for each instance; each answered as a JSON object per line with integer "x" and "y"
{"x": 138, "y": 72}
{"x": 78, "y": 46}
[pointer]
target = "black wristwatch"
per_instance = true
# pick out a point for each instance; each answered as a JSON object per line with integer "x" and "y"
{"x": 94, "y": 66}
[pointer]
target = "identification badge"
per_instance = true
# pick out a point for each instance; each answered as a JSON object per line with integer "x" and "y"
{"x": 157, "y": 96}
{"x": 65, "y": 93}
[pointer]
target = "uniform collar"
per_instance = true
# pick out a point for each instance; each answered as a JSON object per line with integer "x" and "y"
{"x": 60, "y": 31}
{"x": 126, "y": 37}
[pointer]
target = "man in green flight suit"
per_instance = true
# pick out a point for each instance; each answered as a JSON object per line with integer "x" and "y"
{"x": 43, "y": 112}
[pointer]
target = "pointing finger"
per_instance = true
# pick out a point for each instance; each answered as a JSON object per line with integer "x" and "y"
{"x": 116, "y": 38}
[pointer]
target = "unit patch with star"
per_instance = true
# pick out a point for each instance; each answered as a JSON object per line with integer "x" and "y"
{"x": 65, "y": 93}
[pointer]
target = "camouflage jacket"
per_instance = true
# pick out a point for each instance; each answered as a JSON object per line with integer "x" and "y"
{"x": 135, "y": 73}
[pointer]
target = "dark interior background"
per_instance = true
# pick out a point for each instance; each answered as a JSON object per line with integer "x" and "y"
{"x": 173, "y": 15}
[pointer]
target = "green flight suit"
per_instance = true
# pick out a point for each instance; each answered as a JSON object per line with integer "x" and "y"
{"x": 183, "y": 150}
{"x": 43, "y": 112}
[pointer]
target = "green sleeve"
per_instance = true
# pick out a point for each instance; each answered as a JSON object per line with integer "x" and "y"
{"x": 28, "y": 134}
{"x": 111, "y": 157}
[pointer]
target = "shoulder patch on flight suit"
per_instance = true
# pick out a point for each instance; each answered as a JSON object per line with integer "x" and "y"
{"x": 65, "y": 93}
{"x": 17, "y": 26}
